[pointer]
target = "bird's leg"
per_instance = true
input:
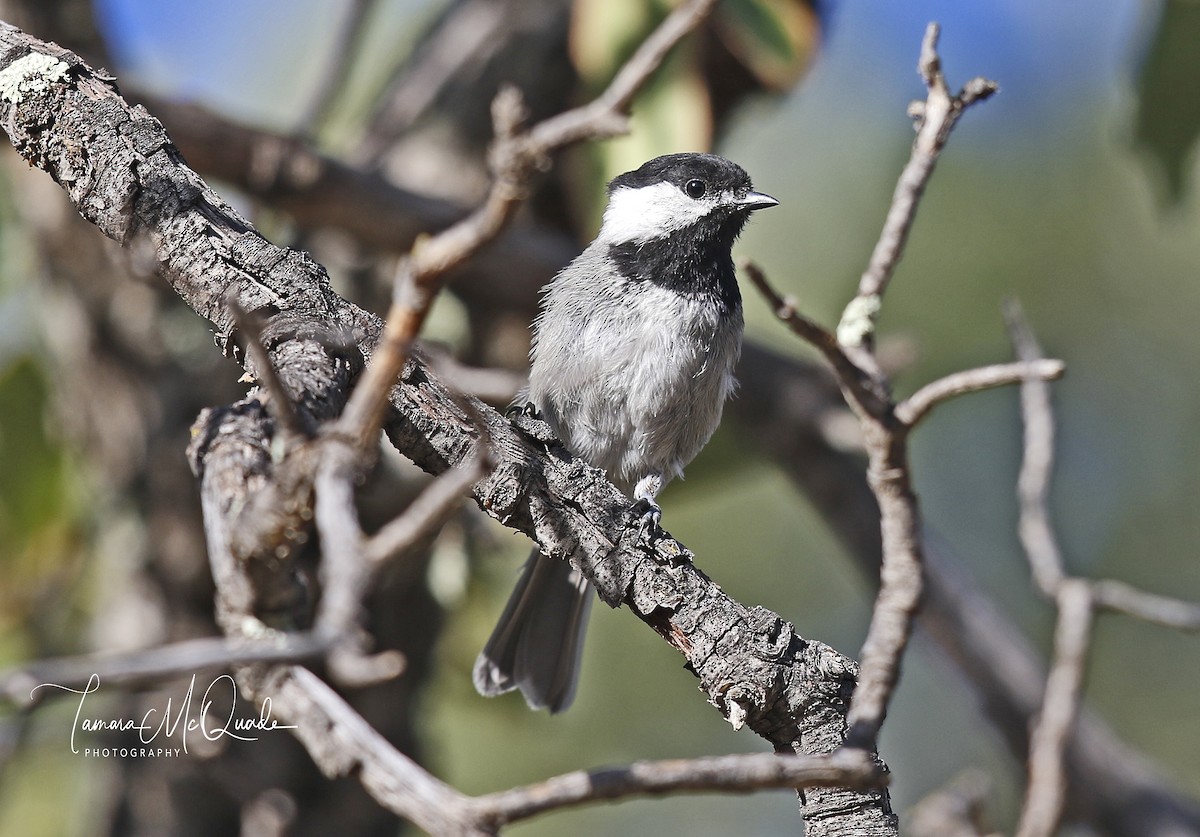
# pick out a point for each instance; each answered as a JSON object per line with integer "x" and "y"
{"x": 645, "y": 507}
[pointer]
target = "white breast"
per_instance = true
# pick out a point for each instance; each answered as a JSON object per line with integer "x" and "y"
{"x": 634, "y": 378}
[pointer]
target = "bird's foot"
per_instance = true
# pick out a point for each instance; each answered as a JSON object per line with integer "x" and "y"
{"x": 527, "y": 410}
{"x": 650, "y": 516}
{"x": 528, "y": 420}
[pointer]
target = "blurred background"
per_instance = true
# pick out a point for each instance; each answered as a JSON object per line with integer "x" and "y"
{"x": 1073, "y": 191}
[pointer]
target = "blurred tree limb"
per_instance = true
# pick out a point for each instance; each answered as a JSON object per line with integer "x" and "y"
{"x": 1077, "y": 600}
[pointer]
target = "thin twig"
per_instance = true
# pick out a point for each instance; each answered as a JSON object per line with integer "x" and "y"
{"x": 279, "y": 402}
{"x": 345, "y": 573}
{"x": 1167, "y": 611}
{"x": 342, "y": 743}
{"x": 786, "y": 310}
{"x": 427, "y": 513}
{"x": 321, "y": 716}
{"x": 804, "y": 327}
{"x": 351, "y": 562}
{"x": 607, "y": 115}
{"x": 1047, "y": 784}
{"x": 900, "y": 589}
{"x": 936, "y": 117}
{"x": 17, "y": 685}
{"x": 1037, "y": 463}
{"x": 884, "y": 425}
{"x": 884, "y": 432}
{"x": 1075, "y": 598}
{"x": 727, "y": 774}
{"x": 917, "y": 406}
{"x": 1033, "y": 492}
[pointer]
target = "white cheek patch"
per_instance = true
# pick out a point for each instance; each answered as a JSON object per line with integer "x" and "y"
{"x": 650, "y": 212}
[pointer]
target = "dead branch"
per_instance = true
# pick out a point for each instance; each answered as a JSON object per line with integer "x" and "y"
{"x": 935, "y": 119}
{"x": 790, "y": 690}
{"x": 346, "y": 575}
{"x": 1046, "y": 789}
{"x": 884, "y": 423}
{"x": 888, "y": 472}
{"x": 786, "y": 407}
{"x": 1076, "y": 599}
{"x": 911, "y": 410}
{"x": 841, "y": 768}
{"x": 150, "y": 665}
{"x": 278, "y": 401}
{"x": 346, "y": 744}
{"x": 318, "y": 192}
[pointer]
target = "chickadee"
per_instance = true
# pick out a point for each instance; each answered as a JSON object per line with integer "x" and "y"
{"x": 632, "y": 360}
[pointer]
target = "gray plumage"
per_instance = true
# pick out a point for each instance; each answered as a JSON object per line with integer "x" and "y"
{"x": 632, "y": 361}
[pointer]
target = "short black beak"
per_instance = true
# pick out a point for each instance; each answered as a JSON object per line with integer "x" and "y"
{"x": 756, "y": 200}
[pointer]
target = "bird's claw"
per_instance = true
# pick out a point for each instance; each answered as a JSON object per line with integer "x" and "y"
{"x": 650, "y": 517}
{"x": 528, "y": 420}
{"x": 527, "y": 410}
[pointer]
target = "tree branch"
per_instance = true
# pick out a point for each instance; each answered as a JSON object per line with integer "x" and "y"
{"x": 149, "y": 665}
{"x": 1076, "y": 600}
{"x": 1037, "y": 464}
{"x": 428, "y": 513}
{"x": 911, "y": 410}
{"x": 850, "y": 376}
{"x": 935, "y": 118}
{"x": 318, "y": 191}
{"x": 1046, "y": 789}
{"x": 885, "y": 424}
{"x": 732, "y": 774}
{"x": 278, "y": 401}
{"x": 1119, "y": 597}
{"x": 750, "y": 663}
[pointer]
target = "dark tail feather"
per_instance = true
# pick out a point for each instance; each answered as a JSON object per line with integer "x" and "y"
{"x": 538, "y": 641}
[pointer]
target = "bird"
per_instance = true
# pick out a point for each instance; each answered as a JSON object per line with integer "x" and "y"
{"x": 631, "y": 363}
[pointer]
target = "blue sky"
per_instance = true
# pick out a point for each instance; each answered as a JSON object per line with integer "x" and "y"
{"x": 1048, "y": 55}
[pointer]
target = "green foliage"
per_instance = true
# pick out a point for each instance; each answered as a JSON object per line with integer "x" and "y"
{"x": 772, "y": 38}
{"x": 604, "y": 33}
{"x": 31, "y": 480}
{"x": 37, "y": 530}
{"x": 1168, "y": 120}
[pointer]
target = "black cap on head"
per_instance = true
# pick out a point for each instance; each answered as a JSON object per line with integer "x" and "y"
{"x": 718, "y": 173}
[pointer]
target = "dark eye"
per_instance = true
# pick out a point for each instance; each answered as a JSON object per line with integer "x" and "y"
{"x": 694, "y": 188}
